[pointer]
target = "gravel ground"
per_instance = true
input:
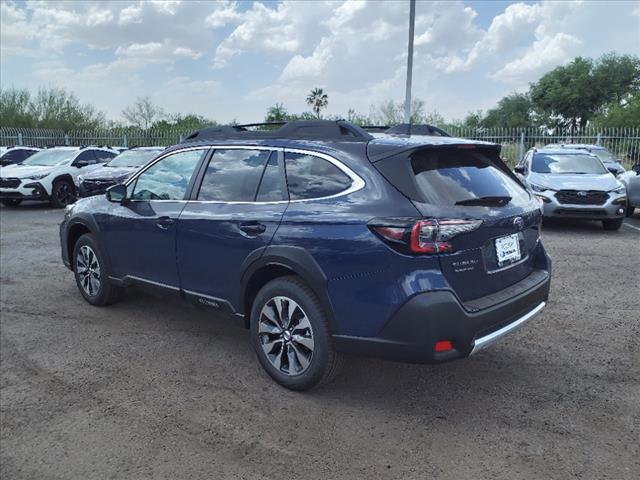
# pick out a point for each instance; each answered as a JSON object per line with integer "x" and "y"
{"x": 153, "y": 389}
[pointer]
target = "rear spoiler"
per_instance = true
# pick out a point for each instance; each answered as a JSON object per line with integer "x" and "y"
{"x": 377, "y": 151}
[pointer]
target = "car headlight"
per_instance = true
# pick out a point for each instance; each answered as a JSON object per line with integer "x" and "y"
{"x": 538, "y": 188}
{"x": 620, "y": 190}
{"x": 39, "y": 176}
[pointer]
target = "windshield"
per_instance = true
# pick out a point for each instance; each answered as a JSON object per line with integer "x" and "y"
{"x": 133, "y": 158}
{"x": 567, "y": 163}
{"x": 49, "y": 157}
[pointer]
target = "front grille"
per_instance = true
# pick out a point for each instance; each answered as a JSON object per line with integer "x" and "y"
{"x": 9, "y": 182}
{"x": 97, "y": 186}
{"x": 582, "y": 197}
{"x": 580, "y": 211}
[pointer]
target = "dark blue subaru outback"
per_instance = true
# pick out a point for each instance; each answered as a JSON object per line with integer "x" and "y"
{"x": 324, "y": 240}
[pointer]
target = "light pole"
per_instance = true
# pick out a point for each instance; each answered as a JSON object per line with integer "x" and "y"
{"x": 407, "y": 95}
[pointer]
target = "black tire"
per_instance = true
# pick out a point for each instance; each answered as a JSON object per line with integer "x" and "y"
{"x": 106, "y": 293}
{"x": 11, "y": 202}
{"x": 63, "y": 193}
{"x": 629, "y": 211}
{"x": 323, "y": 362}
{"x": 612, "y": 224}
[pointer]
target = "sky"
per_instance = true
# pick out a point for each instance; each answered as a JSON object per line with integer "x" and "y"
{"x": 231, "y": 60}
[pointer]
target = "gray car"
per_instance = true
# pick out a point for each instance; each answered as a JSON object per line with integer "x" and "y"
{"x": 574, "y": 184}
{"x": 631, "y": 180}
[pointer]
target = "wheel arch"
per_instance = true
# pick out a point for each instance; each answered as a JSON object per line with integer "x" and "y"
{"x": 63, "y": 176}
{"x": 77, "y": 228}
{"x": 278, "y": 262}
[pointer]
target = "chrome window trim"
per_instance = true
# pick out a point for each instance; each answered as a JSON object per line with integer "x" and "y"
{"x": 357, "y": 183}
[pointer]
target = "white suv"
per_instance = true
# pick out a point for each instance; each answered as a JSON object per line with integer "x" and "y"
{"x": 50, "y": 175}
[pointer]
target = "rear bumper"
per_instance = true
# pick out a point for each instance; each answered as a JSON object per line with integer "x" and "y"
{"x": 426, "y": 318}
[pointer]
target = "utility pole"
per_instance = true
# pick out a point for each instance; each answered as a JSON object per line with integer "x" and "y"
{"x": 407, "y": 97}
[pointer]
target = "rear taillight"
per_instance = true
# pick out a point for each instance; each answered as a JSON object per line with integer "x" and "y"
{"x": 430, "y": 236}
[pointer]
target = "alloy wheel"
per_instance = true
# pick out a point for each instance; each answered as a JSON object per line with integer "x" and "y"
{"x": 64, "y": 194}
{"x": 88, "y": 270}
{"x": 286, "y": 335}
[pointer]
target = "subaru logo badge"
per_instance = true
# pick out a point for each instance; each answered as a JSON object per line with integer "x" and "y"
{"x": 582, "y": 194}
{"x": 518, "y": 222}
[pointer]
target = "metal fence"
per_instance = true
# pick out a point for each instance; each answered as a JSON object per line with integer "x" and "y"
{"x": 624, "y": 143}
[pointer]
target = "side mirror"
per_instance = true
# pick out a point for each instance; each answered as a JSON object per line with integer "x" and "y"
{"x": 613, "y": 170}
{"x": 519, "y": 169}
{"x": 82, "y": 163}
{"x": 117, "y": 193}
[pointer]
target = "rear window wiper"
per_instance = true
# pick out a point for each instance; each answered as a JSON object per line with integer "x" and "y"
{"x": 489, "y": 201}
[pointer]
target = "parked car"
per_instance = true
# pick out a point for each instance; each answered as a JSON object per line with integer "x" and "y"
{"x": 610, "y": 162}
{"x": 323, "y": 240}
{"x": 16, "y": 154}
{"x": 574, "y": 184}
{"x": 49, "y": 175}
{"x": 115, "y": 171}
{"x": 631, "y": 181}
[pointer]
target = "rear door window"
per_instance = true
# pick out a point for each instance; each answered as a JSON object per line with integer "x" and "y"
{"x": 448, "y": 177}
{"x": 271, "y": 185}
{"x": 233, "y": 175}
{"x": 309, "y": 176}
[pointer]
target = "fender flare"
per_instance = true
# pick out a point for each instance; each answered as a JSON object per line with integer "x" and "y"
{"x": 296, "y": 259}
{"x": 64, "y": 176}
{"x": 88, "y": 222}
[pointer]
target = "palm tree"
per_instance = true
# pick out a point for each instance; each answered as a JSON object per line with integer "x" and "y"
{"x": 318, "y": 100}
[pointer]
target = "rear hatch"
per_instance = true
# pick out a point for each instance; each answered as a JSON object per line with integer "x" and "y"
{"x": 468, "y": 185}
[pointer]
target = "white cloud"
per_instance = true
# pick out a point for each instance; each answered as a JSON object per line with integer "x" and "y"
{"x": 543, "y": 55}
{"x": 187, "y": 52}
{"x": 227, "y": 12}
{"x": 130, "y": 14}
{"x": 139, "y": 49}
{"x": 111, "y": 52}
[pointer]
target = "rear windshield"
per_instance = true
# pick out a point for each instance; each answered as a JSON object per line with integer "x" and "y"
{"x": 567, "y": 163}
{"x": 448, "y": 177}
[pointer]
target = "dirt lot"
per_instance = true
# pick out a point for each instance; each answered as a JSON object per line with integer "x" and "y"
{"x": 152, "y": 389}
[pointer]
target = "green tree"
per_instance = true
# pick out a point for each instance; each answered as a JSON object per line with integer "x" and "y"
{"x": 183, "y": 123}
{"x": 617, "y": 76}
{"x": 14, "y": 108}
{"x": 513, "y": 111}
{"x": 389, "y": 112}
{"x": 277, "y": 113}
{"x": 318, "y": 100}
{"x": 143, "y": 113}
{"x": 48, "y": 108}
{"x": 625, "y": 115}
{"x": 572, "y": 94}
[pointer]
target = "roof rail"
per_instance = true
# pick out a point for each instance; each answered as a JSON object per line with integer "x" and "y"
{"x": 416, "y": 129}
{"x": 298, "y": 129}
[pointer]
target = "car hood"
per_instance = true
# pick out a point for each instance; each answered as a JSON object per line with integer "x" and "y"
{"x": 566, "y": 181}
{"x": 23, "y": 171}
{"x": 110, "y": 173}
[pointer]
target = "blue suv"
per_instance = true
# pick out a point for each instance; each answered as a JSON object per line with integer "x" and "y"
{"x": 323, "y": 239}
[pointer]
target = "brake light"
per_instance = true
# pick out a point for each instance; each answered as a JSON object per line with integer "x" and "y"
{"x": 429, "y": 237}
{"x": 444, "y": 346}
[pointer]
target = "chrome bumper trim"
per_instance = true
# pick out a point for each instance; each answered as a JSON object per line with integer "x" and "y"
{"x": 484, "y": 342}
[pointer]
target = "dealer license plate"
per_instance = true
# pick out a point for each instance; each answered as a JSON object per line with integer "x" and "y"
{"x": 508, "y": 249}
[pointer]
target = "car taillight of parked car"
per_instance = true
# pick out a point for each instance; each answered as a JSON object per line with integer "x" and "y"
{"x": 429, "y": 236}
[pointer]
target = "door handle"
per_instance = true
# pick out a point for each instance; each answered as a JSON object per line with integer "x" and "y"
{"x": 165, "y": 222}
{"x": 252, "y": 229}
